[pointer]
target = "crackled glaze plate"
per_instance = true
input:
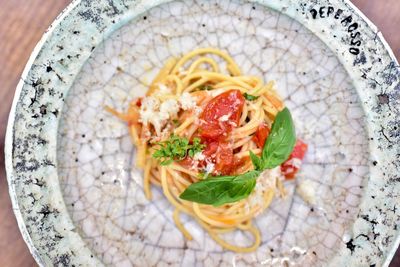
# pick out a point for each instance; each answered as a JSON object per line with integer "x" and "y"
{"x": 78, "y": 197}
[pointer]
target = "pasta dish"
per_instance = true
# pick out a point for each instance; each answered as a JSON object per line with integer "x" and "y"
{"x": 217, "y": 142}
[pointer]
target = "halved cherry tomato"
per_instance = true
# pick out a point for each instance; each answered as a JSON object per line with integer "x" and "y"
{"x": 221, "y": 115}
{"x": 211, "y": 149}
{"x": 261, "y": 135}
{"x": 224, "y": 160}
{"x": 290, "y": 167}
{"x": 221, "y": 154}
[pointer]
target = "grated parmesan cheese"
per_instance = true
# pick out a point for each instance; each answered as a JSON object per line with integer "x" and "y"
{"x": 170, "y": 107}
{"x": 187, "y": 101}
{"x": 225, "y": 117}
{"x": 295, "y": 162}
{"x": 209, "y": 167}
{"x": 306, "y": 190}
{"x": 237, "y": 102}
{"x": 199, "y": 156}
{"x": 234, "y": 124}
{"x": 149, "y": 113}
{"x": 148, "y": 108}
{"x": 269, "y": 177}
{"x": 150, "y": 103}
{"x": 266, "y": 180}
{"x": 156, "y": 111}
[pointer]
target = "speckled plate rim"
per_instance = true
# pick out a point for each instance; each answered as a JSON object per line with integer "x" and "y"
{"x": 31, "y": 139}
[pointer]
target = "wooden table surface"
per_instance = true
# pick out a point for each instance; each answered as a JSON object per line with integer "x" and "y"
{"x": 21, "y": 27}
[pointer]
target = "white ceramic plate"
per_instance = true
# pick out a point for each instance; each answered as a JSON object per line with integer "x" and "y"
{"x": 78, "y": 198}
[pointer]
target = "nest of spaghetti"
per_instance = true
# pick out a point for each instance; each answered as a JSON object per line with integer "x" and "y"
{"x": 200, "y": 118}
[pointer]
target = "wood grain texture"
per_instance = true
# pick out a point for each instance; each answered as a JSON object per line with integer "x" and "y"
{"x": 23, "y": 23}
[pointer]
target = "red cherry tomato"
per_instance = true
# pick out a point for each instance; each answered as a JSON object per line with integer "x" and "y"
{"x": 210, "y": 149}
{"x": 290, "y": 167}
{"x": 187, "y": 162}
{"x": 224, "y": 161}
{"x": 221, "y": 155}
{"x": 221, "y": 115}
{"x": 261, "y": 135}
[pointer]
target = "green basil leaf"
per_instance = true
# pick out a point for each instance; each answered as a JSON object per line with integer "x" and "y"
{"x": 280, "y": 142}
{"x": 250, "y": 97}
{"x": 257, "y": 162}
{"x": 221, "y": 190}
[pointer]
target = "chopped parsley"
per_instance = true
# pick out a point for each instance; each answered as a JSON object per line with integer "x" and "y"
{"x": 177, "y": 148}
